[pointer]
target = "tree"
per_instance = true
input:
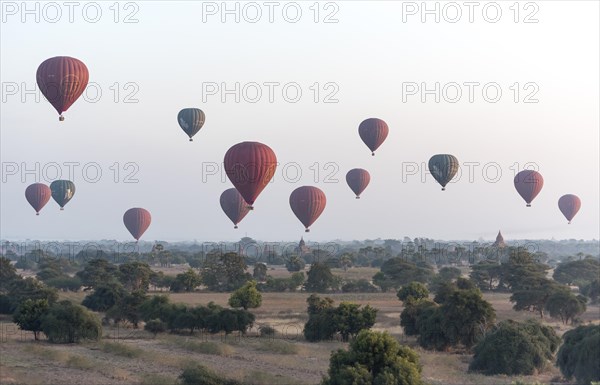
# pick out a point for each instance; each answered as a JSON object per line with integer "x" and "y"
{"x": 359, "y": 286}
{"x": 135, "y": 275}
{"x": 411, "y": 313}
{"x": 487, "y": 275}
{"x": 533, "y": 295}
{"x": 128, "y": 308}
{"x": 592, "y": 290}
{"x": 97, "y": 272}
{"x": 431, "y": 331}
{"x": 320, "y": 315}
{"x": 563, "y": 304}
{"x": 350, "y": 319}
{"x": 374, "y": 358}
{"x": 398, "y": 272}
{"x": 104, "y": 297}
{"x": 467, "y": 316}
{"x": 65, "y": 283}
{"x": 515, "y": 349}
{"x": 412, "y": 292}
{"x": 578, "y": 273}
{"x": 155, "y": 326}
{"x": 294, "y": 263}
{"x": 320, "y": 278}
{"x": 8, "y": 274}
{"x": 187, "y": 281}
{"x": 226, "y": 272}
{"x": 30, "y": 288}
{"x": 29, "y": 315}
{"x": 66, "y": 322}
{"x": 246, "y": 296}
{"x": 260, "y": 272}
{"x": 578, "y": 356}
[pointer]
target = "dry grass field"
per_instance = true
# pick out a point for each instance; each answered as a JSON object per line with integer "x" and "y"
{"x": 128, "y": 356}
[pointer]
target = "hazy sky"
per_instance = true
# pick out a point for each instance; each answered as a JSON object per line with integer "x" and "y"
{"x": 169, "y": 55}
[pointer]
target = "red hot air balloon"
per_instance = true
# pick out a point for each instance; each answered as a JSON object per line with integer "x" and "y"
{"x": 307, "y": 202}
{"x": 358, "y": 180}
{"x": 373, "y": 132}
{"x": 38, "y": 194}
{"x": 234, "y": 206}
{"x": 62, "y": 80}
{"x": 569, "y": 205}
{"x": 529, "y": 183}
{"x": 137, "y": 221}
{"x": 250, "y": 166}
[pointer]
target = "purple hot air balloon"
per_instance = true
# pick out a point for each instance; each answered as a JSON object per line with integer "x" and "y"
{"x": 529, "y": 183}
{"x": 569, "y": 205}
{"x": 307, "y": 202}
{"x": 373, "y": 132}
{"x": 137, "y": 221}
{"x": 358, "y": 180}
{"x": 38, "y": 194}
{"x": 234, "y": 206}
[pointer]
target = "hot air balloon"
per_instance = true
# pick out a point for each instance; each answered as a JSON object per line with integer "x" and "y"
{"x": 569, "y": 205}
{"x": 62, "y": 80}
{"x": 443, "y": 167}
{"x": 250, "y": 166}
{"x": 358, "y": 180}
{"x": 307, "y": 203}
{"x": 373, "y": 132}
{"x": 137, "y": 221}
{"x": 191, "y": 121}
{"x": 62, "y": 191}
{"x": 529, "y": 183}
{"x": 234, "y": 206}
{"x": 38, "y": 194}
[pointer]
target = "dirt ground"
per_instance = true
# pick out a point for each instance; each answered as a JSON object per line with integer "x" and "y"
{"x": 128, "y": 356}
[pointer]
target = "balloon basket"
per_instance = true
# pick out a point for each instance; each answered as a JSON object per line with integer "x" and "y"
{"x": 235, "y": 227}
{"x": 357, "y": 197}
{"x": 307, "y": 230}
{"x": 62, "y": 209}
{"x": 191, "y": 140}
{"x": 61, "y": 118}
{"x": 528, "y": 205}
{"x": 37, "y": 213}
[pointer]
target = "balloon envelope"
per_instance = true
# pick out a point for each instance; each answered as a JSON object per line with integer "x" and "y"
{"x": 137, "y": 220}
{"x": 528, "y": 183}
{"x": 358, "y": 180}
{"x": 373, "y": 132}
{"x": 191, "y": 121}
{"x": 443, "y": 167}
{"x": 307, "y": 203}
{"x": 37, "y": 194}
{"x": 250, "y": 166}
{"x": 62, "y": 80}
{"x": 569, "y": 205}
{"x": 234, "y": 206}
{"x": 62, "y": 191}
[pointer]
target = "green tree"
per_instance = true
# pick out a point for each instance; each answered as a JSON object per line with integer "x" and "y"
{"x": 578, "y": 273}
{"x": 226, "y": 272}
{"x": 411, "y": 313}
{"x": 578, "y": 356}
{"x": 128, "y": 308}
{"x": 30, "y": 288}
{"x": 155, "y": 326}
{"x": 467, "y": 316}
{"x": 97, "y": 272}
{"x": 515, "y": 349}
{"x": 260, "y": 272}
{"x": 320, "y": 278}
{"x": 29, "y": 315}
{"x": 565, "y": 305}
{"x": 592, "y": 290}
{"x": 65, "y": 283}
{"x": 350, "y": 319}
{"x": 398, "y": 272}
{"x": 8, "y": 274}
{"x": 66, "y": 322}
{"x": 135, "y": 275}
{"x": 412, "y": 292}
{"x": 187, "y": 281}
{"x": 533, "y": 295}
{"x": 104, "y": 297}
{"x": 294, "y": 263}
{"x": 374, "y": 358}
{"x": 487, "y": 275}
{"x": 320, "y": 315}
{"x": 246, "y": 296}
